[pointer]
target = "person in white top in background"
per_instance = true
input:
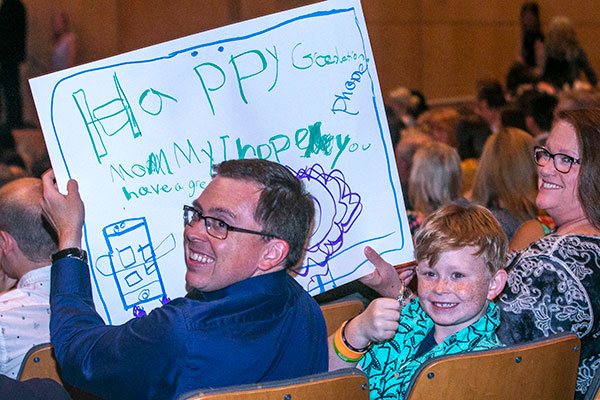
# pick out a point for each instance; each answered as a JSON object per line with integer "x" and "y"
{"x": 64, "y": 52}
{"x": 26, "y": 244}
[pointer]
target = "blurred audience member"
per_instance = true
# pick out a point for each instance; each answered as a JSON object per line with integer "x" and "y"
{"x": 64, "y": 52}
{"x": 435, "y": 180}
{"x": 471, "y": 133}
{"x": 395, "y": 125}
{"x": 490, "y": 101}
{"x": 539, "y": 113}
{"x": 565, "y": 59}
{"x": 532, "y": 38}
{"x": 440, "y": 124}
{"x": 419, "y": 106}
{"x": 578, "y": 100}
{"x": 506, "y": 180}
{"x": 7, "y": 140}
{"x": 12, "y": 157}
{"x": 412, "y": 139}
{"x": 13, "y": 29}
{"x": 40, "y": 165}
{"x": 513, "y": 117}
{"x": 469, "y": 171}
{"x": 518, "y": 79}
{"x": 407, "y": 104}
{"x": 11, "y": 166}
{"x": 9, "y": 173}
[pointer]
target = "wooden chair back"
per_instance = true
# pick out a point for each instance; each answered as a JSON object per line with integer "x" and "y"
{"x": 347, "y": 384}
{"x": 39, "y": 362}
{"x": 336, "y": 313}
{"x": 543, "y": 369}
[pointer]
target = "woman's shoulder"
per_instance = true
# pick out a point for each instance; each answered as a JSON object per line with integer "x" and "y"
{"x": 559, "y": 248}
{"x": 554, "y": 240}
{"x": 528, "y": 232}
{"x": 552, "y": 287}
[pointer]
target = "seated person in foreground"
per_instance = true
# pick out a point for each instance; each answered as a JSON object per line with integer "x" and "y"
{"x": 26, "y": 245}
{"x": 246, "y": 319}
{"x": 554, "y": 282}
{"x": 460, "y": 254}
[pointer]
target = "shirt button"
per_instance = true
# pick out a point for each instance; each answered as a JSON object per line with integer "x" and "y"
{"x": 397, "y": 375}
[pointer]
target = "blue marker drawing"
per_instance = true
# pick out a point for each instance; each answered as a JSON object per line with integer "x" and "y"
{"x": 337, "y": 208}
{"x": 108, "y": 118}
{"x": 133, "y": 262}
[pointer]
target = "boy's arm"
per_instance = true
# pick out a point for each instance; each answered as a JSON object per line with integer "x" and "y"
{"x": 379, "y": 322}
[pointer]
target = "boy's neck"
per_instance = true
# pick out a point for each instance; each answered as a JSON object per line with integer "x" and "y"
{"x": 441, "y": 332}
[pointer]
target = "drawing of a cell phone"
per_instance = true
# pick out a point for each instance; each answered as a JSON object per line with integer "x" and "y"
{"x": 133, "y": 262}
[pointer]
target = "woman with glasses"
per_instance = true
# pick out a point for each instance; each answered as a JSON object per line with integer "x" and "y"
{"x": 554, "y": 284}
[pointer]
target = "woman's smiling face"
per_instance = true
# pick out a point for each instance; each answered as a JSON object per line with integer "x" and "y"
{"x": 558, "y": 191}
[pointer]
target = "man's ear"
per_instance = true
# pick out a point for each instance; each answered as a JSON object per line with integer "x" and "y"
{"x": 497, "y": 284}
{"x": 274, "y": 254}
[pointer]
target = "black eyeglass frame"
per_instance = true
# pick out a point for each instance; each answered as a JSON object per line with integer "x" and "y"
{"x": 572, "y": 160}
{"x": 210, "y": 221}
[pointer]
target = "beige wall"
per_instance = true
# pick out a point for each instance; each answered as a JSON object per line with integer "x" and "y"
{"x": 98, "y": 37}
{"x": 441, "y": 47}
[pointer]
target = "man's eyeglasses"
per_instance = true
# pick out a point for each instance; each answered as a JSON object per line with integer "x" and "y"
{"x": 214, "y": 226}
{"x": 562, "y": 162}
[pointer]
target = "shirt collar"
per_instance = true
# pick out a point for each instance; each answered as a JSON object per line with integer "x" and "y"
{"x": 34, "y": 276}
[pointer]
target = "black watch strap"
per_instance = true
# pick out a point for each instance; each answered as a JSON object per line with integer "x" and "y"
{"x": 71, "y": 252}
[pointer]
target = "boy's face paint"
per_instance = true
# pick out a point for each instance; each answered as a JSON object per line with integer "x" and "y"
{"x": 456, "y": 290}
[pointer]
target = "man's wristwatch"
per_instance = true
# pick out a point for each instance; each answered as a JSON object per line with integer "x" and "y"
{"x": 71, "y": 252}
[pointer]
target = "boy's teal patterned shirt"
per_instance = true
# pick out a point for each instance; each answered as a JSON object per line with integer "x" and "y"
{"x": 391, "y": 365}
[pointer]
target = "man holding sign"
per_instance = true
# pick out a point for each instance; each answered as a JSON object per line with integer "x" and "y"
{"x": 246, "y": 320}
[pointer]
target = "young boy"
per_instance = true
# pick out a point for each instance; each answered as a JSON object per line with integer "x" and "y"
{"x": 460, "y": 253}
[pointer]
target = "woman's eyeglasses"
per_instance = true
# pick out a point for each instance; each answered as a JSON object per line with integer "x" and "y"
{"x": 562, "y": 162}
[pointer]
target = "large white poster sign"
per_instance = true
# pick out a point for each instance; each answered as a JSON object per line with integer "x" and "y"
{"x": 141, "y": 131}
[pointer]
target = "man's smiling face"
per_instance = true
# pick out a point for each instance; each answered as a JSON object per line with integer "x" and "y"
{"x": 212, "y": 263}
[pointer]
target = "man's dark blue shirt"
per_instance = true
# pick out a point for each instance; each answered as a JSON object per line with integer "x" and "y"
{"x": 261, "y": 329}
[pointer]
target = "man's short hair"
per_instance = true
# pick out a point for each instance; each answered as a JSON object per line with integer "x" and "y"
{"x": 284, "y": 208}
{"x": 453, "y": 227}
{"x": 492, "y": 92}
{"x": 540, "y": 106}
{"x": 21, "y": 216}
{"x": 542, "y": 110}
